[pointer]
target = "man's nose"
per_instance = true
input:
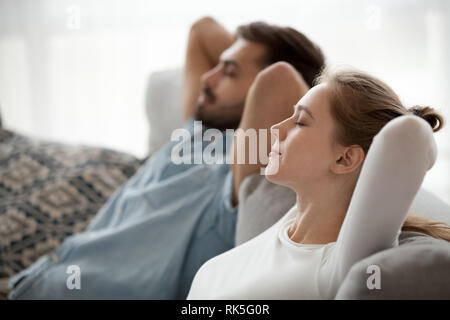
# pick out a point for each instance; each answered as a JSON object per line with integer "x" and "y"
{"x": 211, "y": 77}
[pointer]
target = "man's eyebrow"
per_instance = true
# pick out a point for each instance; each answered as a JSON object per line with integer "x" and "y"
{"x": 299, "y": 107}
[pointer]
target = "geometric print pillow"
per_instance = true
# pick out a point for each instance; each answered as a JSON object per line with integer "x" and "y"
{"x": 49, "y": 191}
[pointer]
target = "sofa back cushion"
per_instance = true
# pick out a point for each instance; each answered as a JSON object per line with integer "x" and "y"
{"x": 163, "y": 106}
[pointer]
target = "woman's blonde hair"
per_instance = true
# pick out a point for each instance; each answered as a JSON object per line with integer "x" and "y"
{"x": 362, "y": 105}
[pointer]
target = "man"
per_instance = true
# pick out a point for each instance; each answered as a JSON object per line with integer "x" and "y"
{"x": 153, "y": 234}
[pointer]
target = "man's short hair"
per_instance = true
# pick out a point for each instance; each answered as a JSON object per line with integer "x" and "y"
{"x": 286, "y": 44}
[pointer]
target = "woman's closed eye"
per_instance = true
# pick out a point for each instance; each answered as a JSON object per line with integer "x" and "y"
{"x": 300, "y": 122}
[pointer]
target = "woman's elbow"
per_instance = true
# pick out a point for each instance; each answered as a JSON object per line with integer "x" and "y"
{"x": 410, "y": 135}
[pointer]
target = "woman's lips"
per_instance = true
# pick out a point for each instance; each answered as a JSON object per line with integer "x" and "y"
{"x": 274, "y": 150}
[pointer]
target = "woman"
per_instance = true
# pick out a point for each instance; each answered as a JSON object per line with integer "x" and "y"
{"x": 351, "y": 202}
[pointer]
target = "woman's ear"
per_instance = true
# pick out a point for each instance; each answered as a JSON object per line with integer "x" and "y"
{"x": 348, "y": 159}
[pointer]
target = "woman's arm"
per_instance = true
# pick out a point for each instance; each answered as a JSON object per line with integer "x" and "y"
{"x": 397, "y": 161}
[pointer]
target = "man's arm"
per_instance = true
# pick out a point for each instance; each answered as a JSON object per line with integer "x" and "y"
{"x": 207, "y": 40}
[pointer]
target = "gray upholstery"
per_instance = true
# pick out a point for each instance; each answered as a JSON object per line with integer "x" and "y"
{"x": 429, "y": 206}
{"x": 419, "y": 268}
{"x": 261, "y": 204}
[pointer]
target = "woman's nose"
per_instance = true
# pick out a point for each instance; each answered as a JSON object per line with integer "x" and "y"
{"x": 277, "y": 130}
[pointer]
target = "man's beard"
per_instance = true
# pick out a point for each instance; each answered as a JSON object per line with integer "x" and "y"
{"x": 220, "y": 122}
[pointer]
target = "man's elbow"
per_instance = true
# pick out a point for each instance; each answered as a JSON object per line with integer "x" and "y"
{"x": 202, "y": 24}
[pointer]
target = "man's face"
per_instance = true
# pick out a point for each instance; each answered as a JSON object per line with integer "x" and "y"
{"x": 225, "y": 87}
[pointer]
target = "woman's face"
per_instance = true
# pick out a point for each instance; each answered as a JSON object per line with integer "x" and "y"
{"x": 305, "y": 148}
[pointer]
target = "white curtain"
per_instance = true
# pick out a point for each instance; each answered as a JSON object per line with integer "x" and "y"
{"x": 76, "y": 71}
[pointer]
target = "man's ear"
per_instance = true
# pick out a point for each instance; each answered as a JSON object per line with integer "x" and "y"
{"x": 348, "y": 159}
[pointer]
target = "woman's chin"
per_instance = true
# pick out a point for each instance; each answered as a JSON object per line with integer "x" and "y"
{"x": 271, "y": 172}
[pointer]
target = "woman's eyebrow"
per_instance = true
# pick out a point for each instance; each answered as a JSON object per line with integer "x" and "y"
{"x": 299, "y": 107}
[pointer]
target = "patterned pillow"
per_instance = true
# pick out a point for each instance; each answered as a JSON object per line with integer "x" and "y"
{"x": 49, "y": 191}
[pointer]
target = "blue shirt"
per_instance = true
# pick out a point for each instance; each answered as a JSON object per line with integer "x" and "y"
{"x": 148, "y": 240}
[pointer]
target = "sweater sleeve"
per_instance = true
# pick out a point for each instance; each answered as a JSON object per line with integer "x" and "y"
{"x": 392, "y": 173}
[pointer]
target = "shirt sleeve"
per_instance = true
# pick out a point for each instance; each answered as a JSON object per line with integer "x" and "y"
{"x": 225, "y": 223}
{"x": 392, "y": 173}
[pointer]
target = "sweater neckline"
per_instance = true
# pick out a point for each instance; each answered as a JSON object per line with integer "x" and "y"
{"x": 283, "y": 233}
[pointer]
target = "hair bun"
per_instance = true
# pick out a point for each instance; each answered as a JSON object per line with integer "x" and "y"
{"x": 435, "y": 120}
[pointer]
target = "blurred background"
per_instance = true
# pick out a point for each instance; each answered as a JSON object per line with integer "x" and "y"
{"x": 77, "y": 71}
